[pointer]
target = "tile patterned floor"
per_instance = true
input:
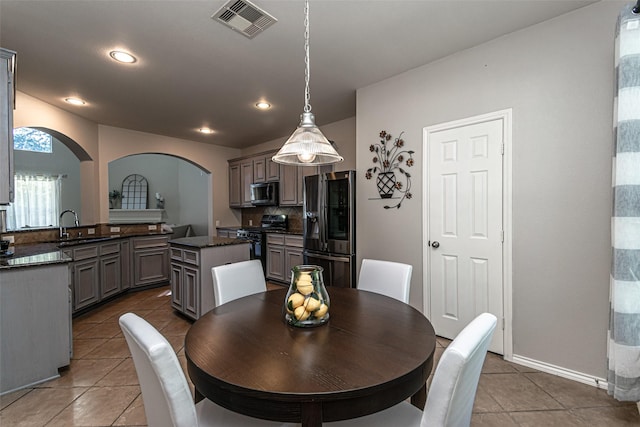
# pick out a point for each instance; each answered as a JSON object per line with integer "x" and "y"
{"x": 102, "y": 371}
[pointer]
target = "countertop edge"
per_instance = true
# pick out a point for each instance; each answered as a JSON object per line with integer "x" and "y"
{"x": 28, "y": 261}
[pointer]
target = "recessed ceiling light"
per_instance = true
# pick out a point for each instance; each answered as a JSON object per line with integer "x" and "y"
{"x": 206, "y": 130}
{"x": 75, "y": 101}
{"x": 121, "y": 56}
{"x": 263, "y": 105}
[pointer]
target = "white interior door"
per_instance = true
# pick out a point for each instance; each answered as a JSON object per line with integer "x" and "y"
{"x": 465, "y": 226}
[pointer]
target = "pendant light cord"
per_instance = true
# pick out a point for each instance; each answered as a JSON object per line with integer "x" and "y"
{"x": 307, "y": 96}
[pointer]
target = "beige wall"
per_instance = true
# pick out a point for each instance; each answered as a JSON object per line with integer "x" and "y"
{"x": 558, "y": 78}
{"x": 99, "y": 144}
{"x": 116, "y": 143}
{"x": 31, "y": 112}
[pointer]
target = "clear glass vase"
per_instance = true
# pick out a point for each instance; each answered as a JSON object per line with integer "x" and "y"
{"x": 307, "y": 301}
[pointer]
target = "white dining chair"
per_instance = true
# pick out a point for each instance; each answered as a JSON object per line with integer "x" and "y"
{"x": 385, "y": 277}
{"x": 236, "y": 280}
{"x": 453, "y": 389}
{"x": 165, "y": 391}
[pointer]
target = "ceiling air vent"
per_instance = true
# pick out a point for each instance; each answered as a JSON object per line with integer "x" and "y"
{"x": 244, "y": 17}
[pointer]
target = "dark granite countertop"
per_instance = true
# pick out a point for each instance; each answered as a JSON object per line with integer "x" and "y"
{"x": 101, "y": 238}
{"x": 206, "y": 241}
{"x": 52, "y": 252}
{"x": 54, "y": 257}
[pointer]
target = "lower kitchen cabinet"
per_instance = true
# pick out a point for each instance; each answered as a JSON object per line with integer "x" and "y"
{"x": 191, "y": 279}
{"x": 150, "y": 260}
{"x": 284, "y": 251}
{"x": 85, "y": 275}
{"x": 125, "y": 263}
{"x": 102, "y": 270}
{"x": 110, "y": 270}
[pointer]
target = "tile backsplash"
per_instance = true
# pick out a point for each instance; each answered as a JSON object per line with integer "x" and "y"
{"x": 294, "y": 213}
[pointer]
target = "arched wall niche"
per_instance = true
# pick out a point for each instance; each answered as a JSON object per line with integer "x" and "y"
{"x": 182, "y": 184}
{"x": 117, "y": 143}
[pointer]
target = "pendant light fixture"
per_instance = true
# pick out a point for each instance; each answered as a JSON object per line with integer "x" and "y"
{"x": 307, "y": 146}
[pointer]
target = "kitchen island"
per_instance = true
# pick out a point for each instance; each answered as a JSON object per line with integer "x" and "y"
{"x": 191, "y": 261}
{"x": 35, "y": 319}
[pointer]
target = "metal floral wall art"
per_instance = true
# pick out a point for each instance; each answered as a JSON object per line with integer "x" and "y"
{"x": 390, "y": 158}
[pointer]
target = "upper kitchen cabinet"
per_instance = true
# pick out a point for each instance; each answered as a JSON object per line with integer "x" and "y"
{"x": 265, "y": 169}
{"x": 246, "y": 179}
{"x": 240, "y": 180}
{"x": 292, "y": 182}
{"x": 7, "y": 104}
{"x": 246, "y": 171}
{"x": 235, "y": 185}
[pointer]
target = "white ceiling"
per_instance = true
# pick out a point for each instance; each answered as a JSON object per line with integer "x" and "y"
{"x": 193, "y": 71}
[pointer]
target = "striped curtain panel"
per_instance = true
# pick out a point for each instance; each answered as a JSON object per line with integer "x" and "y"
{"x": 624, "y": 327}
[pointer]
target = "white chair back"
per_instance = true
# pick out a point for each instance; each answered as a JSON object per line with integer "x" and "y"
{"x": 236, "y": 280}
{"x": 165, "y": 392}
{"x": 385, "y": 277}
{"x": 455, "y": 381}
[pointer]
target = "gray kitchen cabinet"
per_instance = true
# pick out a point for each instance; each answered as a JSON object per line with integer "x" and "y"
{"x": 265, "y": 169}
{"x": 288, "y": 185}
{"x": 248, "y": 170}
{"x": 7, "y": 104}
{"x": 85, "y": 273}
{"x": 150, "y": 260}
{"x": 259, "y": 169}
{"x": 240, "y": 180}
{"x": 191, "y": 279}
{"x": 273, "y": 168}
{"x": 246, "y": 178}
{"x": 275, "y": 257}
{"x": 284, "y": 251}
{"x": 235, "y": 185}
{"x": 96, "y": 272}
{"x": 125, "y": 263}
{"x": 35, "y": 325}
{"x": 292, "y": 254}
{"x": 292, "y": 182}
{"x": 110, "y": 269}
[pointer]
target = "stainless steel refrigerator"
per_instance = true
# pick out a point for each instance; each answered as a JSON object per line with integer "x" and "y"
{"x": 329, "y": 226}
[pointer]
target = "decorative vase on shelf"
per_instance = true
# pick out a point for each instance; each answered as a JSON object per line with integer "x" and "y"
{"x": 307, "y": 301}
{"x": 386, "y": 183}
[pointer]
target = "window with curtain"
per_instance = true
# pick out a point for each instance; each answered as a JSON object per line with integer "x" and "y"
{"x": 37, "y": 201}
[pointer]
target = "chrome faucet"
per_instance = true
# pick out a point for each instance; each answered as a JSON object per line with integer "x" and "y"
{"x": 63, "y": 230}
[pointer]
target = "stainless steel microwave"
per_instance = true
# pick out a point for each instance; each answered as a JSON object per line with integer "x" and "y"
{"x": 264, "y": 194}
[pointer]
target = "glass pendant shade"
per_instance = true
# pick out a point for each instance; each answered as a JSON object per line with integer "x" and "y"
{"x": 307, "y": 146}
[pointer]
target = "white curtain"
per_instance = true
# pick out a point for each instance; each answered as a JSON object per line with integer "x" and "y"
{"x": 624, "y": 326}
{"x": 36, "y": 202}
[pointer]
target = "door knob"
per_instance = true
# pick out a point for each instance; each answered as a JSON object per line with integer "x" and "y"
{"x": 435, "y": 245}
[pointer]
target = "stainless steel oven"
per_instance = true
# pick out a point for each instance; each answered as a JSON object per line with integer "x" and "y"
{"x": 256, "y": 238}
{"x": 257, "y": 235}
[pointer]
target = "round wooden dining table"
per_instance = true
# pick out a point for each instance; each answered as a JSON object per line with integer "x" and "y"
{"x": 373, "y": 353}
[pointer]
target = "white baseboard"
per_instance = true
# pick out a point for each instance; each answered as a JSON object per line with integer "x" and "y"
{"x": 560, "y": 371}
